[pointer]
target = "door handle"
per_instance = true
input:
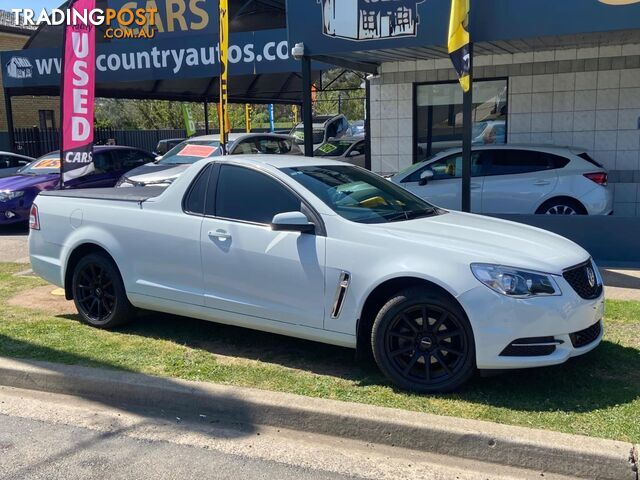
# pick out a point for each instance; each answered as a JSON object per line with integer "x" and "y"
{"x": 542, "y": 182}
{"x": 220, "y": 234}
{"x": 475, "y": 186}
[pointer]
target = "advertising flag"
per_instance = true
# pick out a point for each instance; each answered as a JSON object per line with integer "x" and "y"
{"x": 272, "y": 121}
{"x": 224, "y": 72}
{"x": 458, "y": 44}
{"x": 189, "y": 124}
{"x": 247, "y": 117}
{"x": 77, "y": 91}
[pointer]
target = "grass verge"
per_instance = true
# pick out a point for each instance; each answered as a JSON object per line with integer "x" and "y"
{"x": 597, "y": 394}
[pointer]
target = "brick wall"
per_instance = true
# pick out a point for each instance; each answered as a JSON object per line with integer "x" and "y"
{"x": 25, "y": 109}
{"x": 587, "y": 98}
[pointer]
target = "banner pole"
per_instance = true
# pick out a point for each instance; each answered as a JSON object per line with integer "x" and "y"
{"x": 224, "y": 73}
{"x": 467, "y": 129}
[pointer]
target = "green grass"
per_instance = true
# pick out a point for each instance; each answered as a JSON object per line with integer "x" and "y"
{"x": 597, "y": 394}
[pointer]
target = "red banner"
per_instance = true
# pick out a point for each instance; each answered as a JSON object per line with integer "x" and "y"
{"x": 77, "y": 90}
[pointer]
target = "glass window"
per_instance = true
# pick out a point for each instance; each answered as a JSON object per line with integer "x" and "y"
{"x": 46, "y": 119}
{"x": 198, "y": 193}
{"x": 5, "y": 161}
{"x": 359, "y": 195}
{"x": 450, "y": 167}
{"x": 267, "y": 146}
{"x": 247, "y": 195}
{"x": 190, "y": 151}
{"x": 128, "y": 159}
{"x": 49, "y": 163}
{"x": 103, "y": 163}
{"x": 439, "y": 116}
{"x": 512, "y": 162}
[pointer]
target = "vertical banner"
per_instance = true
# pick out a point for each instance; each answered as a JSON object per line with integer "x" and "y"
{"x": 294, "y": 111}
{"x": 458, "y": 44}
{"x": 77, "y": 91}
{"x": 189, "y": 124}
{"x": 272, "y": 121}
{"x": 224, "y": 72}
{"x": 247, "y": 118}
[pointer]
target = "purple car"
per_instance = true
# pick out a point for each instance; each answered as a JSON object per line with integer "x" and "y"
{"x": 18, "y": 192}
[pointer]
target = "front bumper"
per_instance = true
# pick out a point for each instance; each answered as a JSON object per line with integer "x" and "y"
{"x": 498, "y": 321}
{"x": 15, "y": 211}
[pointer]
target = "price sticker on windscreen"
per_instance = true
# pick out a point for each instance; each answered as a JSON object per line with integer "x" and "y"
{"x": 197, "y": 151}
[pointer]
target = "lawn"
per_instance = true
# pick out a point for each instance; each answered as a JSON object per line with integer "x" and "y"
{"x": 597, "y": 395}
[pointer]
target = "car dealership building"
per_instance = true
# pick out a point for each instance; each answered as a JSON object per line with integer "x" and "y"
{"x": 546, "y": 72}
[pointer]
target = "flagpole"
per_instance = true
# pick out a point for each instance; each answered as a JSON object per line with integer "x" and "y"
{"x": 467, "y": 129}
{"x": 223, "y": 6}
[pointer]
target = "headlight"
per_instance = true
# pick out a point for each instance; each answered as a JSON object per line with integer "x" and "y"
{"x": 514, "y": 282}
{"x": 6, "y": 196}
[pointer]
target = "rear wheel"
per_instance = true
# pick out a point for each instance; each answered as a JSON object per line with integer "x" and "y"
{"x": 99, "y": 294}
{"x": 422, "y": 341}
{"x": 561, "y": 206}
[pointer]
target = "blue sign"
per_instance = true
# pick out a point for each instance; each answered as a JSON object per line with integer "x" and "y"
{"x": 340, "y": 26}
{"x": 263, "y": 51}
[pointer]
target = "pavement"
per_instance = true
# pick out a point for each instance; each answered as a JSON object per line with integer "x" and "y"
{"x": 621, "y": 284}
{"x": 52, "y": 436}
{"x": 462, "y": 445}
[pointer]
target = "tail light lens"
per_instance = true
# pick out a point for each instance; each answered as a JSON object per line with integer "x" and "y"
{"x": 598, "y": 177}
{"x": 34, "y": 219}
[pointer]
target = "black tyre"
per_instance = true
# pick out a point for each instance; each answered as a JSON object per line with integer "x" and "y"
{"x": 423, "y": 342}
{"x": 99, "y": 293}
{"x": 561, "y": 206}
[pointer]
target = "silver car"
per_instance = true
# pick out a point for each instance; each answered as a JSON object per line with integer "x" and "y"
{"x": 164, "y": 171}
{"x": 10, "y": 163}
{"x": 345, "y": 149}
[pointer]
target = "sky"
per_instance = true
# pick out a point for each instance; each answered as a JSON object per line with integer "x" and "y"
{"x": 34, "y": 4}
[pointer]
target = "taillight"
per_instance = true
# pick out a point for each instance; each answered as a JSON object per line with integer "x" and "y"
{"x": 599, "y": 177}
{"x": 34, "y": 220}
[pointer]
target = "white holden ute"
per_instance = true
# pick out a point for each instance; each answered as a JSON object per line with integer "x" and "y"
{"x": 325, "y": 251}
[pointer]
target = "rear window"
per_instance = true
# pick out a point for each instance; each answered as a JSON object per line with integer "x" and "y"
{"x": 190, "y": 152}
{"x": 587, "y": 157}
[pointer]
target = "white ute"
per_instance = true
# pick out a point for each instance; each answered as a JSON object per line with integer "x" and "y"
{"x": 329, "y": 252}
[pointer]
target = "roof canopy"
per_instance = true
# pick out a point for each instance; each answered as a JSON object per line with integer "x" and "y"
{"x": 180, "y": 62}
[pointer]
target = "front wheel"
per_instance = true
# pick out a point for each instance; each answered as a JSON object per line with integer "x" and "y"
{"x": 99, "y": 294}
{"x": 422, "y": 341}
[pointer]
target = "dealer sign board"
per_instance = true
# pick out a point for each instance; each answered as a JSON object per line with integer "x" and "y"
{"x": 341, "y": 26}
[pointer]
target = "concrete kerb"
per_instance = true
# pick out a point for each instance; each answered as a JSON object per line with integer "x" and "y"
{"x": 536, "y": 450}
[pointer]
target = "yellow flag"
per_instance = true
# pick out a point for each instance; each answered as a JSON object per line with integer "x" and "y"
{"x": 458, "y": 45}
{"x": 223, "y": 114}
{"x": 247, "y": 117}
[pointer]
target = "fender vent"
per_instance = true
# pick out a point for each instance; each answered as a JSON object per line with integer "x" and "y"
{"x": 341, "y": 293}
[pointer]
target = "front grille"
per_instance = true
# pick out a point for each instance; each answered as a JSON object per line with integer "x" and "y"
{"x": 586, "y": 336}
{"x": 578, "y": 278}
{"x": 530, "y": 347}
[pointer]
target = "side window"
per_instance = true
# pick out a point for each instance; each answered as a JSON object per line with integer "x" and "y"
{"x": 102, "y": 162}
{"x": 128, "y": 159}
{"x": 559, "y": 162}
{"x": 247, "y": 195}
{"x": 359, "y": 148}
{"x": 450, "y": 167}
{"x": 197, "y": 193}
{"x": 513, "y": 162}
{"x": 332, "y": 129}
{"x": 5, "y": 161}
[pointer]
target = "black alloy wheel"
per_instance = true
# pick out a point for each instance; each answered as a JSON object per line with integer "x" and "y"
{"x": 423, "y": 342}
{"x": 98, "y": 292}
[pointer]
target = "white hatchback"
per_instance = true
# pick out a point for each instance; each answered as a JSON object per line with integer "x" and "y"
{"x": 514, "y": 180}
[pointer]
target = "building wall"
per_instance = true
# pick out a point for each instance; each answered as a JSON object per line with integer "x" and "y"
{"x": 587, "y": 98}
{"x": 25, "y": 109}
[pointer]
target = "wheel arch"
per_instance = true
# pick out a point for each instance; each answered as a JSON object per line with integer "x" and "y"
{"x": 566, "y": 198}
{"x": 79, "y": 252}
{"x": 376, "y": 299}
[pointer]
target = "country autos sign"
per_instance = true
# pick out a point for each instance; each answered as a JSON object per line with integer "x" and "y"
{"x": 262, "y": 51}
{"x": 341, "y": 26}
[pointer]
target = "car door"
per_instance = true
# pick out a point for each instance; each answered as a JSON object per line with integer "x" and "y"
{"x": 517, "y": 181}
{"x": 445, "y": 188}
{"x": 356, "y": 154}
{"x": 250, "y": 269}
{"x": 102, "y": 176}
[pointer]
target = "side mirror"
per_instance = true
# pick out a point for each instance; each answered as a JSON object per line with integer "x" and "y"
{"x": 425, "y": 177}
{"x": 292, "y": 222}
{"x": 355, "y": 153}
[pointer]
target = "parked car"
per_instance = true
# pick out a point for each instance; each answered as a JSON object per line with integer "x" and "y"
{"x": 514, "y": 179}
{"x": 345, "y": 149}
{"x": 324, "y": 128}
{"x": 330, "y": 252}
{"x": 356, "y": 129}
{"x": 10, "y": 163}
{"x": 167, "y": 144}
{"x": 17, "y": 192}
{"x": 165, "y": 170}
